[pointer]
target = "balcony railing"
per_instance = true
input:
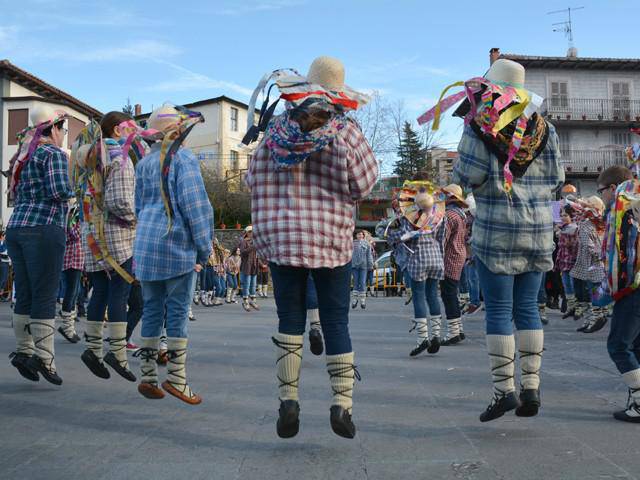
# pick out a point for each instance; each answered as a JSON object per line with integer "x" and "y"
{"x": 620, "y": 109}
{"x": 591, "y": 161}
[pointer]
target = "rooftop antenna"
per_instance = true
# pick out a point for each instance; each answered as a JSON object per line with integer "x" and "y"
{"x": 566, "y": 27}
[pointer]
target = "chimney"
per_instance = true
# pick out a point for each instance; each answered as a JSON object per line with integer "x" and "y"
{"x": 572, "y": 52}
{"x": 137, "y": 109}
{"x": 494, "y": 54}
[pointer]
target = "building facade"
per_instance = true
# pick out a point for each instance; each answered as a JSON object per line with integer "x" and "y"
{"x": 592, "y": 102}
{"x": 20, "y": 93}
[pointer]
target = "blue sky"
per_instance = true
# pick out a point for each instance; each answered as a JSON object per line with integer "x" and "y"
{"x": 191, "y": 50}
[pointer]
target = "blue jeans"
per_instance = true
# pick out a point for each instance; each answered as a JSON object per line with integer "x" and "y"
{"x": 463, "y": 285}
{"x": 4, "y": 275}
{"x": 72, "y": 286}
{"x": 583, "y": 289}
{"x": 174, "y": 294}
{"x": 312, "y": 294}
{"x": 232, "y": 281}
{"x": 248, "y": 284}
{"x": 332, "y": 287}
{"x": 37, "y": 254}
{"x": 508, "y": 297}
{"x": 425, "y": 293}
{"x": 202, "y": 279}
{"x": 542, "y": 291}
{"x": 567, "y": 283}
{"x": 136, "y": 304}
{"x": 474, "y": 284}
{"x": 623, "y": 343}
{"x": 359, "y": 279}
{"x": 109, "y": 291}
{"x": 449, "y": 294}
{"x": 219, "y": 285}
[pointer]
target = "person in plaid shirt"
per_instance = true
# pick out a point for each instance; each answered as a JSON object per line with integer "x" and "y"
{"x": 35, "y": 239}
{"x": 311, "y": 167}
{"x": 455, "y": 256}
{"x": 72, "y": 266}
{"x": 512, "y": 239}
{"x": 566, "y": 257}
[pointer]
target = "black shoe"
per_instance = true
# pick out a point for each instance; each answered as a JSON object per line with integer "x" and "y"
{"x": 499, "y": 406}
{"x": 341, "y": 423}
{"x": 71, "y": 339}
{"x": 631, "y": 414}
{"x": 569, "y": 313}
{"x": 544, "y": 320}
{"x": 316, "y": 344}
{"x": 462, "y": 336}
{"x": 36, "y": 364}
{"x": 94, "y": 364}
{"x": 288, "y": 421}
{"x": 451, "y": 341}
{"x": 435, "y": 345}
{"x": 19, "y": 360}
{"x": 555, "y": 304}
{"x": 125, "y": 373}
{"x": 420, "y": 348}
{"x": 600, "y": 323}
{"x": 529, "y": 403}
{"x": 563, "y": 306}
{"x": 362, "y": 305}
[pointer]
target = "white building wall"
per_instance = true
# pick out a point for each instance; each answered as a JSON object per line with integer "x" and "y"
{"x": 16, "y": 90}
{"x": 582, "y": 83}
{"x": 205, "y": 137}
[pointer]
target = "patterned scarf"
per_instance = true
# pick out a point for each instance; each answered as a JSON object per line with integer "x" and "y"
{"x": 289, "y": 145}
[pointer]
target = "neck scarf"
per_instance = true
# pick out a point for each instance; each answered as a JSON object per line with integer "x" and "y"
{"x": 289, "y": 145}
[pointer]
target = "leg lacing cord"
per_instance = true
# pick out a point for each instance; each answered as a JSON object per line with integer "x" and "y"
{"x": 176, "y": 370}
{"x": 117, "y": 345}
{"x": 39, "y": 343}
{"x": 525, "y": 354}
{"x": 631, "y": 403}
{"x": 422, "y": 328}
{"x": 500, "y": 377}
{"x": 343, "y": 370}
{"x": 147, "y": 355}
{"x": 436, "y": 325}
{"x": 315, "y": 324}
{"x": 289, "y": 349}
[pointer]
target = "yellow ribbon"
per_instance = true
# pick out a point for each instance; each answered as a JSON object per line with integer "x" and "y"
{"x": 436, "y": 115}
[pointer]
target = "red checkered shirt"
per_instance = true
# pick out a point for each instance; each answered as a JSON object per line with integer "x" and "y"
{"x": 455, "y": 249}
{"x": 567, "y": 248}
{"x": 303, "y": 216}
{"x": 73, "y": 255}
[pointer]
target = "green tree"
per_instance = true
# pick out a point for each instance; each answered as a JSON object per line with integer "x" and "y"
{"x": 128, "y": 108}
{"x": 411, "y": 154}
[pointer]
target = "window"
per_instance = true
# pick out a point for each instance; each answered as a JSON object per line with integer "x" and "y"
{"x": 18, "y": 120}
{"x": 565, "y": 143}
{"x": 559, "y": 96}
{"x": 233, "y": 161}
{"x": 234, "y": 119}
{"x": 620, "y": 99}
{"x": 623, "y": 139}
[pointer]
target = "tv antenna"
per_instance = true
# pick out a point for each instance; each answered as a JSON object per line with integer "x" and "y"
{"x": 565, "y": 26}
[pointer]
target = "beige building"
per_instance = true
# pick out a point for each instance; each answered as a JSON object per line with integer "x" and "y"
{"x": 217, "y": 141}
{"x": 20, "y": 93}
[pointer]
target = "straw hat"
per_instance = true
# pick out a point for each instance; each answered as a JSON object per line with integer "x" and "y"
{"x": 593, "y": 204}
{"x": 506, "y": 71}
{"x": 454, "y": 192}
{"x": 328, "y": 72}
{"x": 163, "y": 118}
{"x": 44, "y": 113}
{"x": 248, "y": 228}
{"x": 421, "y": 204}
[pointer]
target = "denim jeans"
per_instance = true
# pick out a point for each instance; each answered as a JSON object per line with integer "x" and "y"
{"x": 332, "y": 287}
{"x": 474, "y": 283}
{"x": 623, "y": 343}
{"x": 359, "y": 280}
{"x": 542, "y": 291}
{"x": 232, "y": 281}
{"x": 72, "y": 286}
{"x": 425, "y": 292}
{"x": 109, "y": 291}
{"x": 248, "y": 284}
{"x": 209, "y": 278}
{"x": 463, "y": 285}
{"x": 583, "y": 289}
{"x": 312, "y": 295}
{"x": 219, "y": 286}
{"x": 567, "y": 283}
{"x": 175, "y": 294}
{"x": 4, "y": 275}
{"x": 263, "y": 277}
{"x": 510, "y": 299}
{"x": 449, "y": 293}
{"x": 36, "y": 254}
{"x": 135, "y": 303}
{"x": 202, "y": 279}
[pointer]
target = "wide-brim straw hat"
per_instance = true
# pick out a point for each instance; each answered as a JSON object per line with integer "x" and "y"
{"x": 506, "y": 72}
{"x": 248, "y": 228}
{"x": 454, "y": 192}
{"x": 593, "y": 204}
{"x": 45, "y": 114}
{"x": 422, "y": 204}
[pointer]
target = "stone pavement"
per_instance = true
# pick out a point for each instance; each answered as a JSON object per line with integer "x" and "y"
{"x": 416, "y": 418}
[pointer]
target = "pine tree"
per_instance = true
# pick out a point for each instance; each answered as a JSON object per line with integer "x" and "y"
{"x": 411, "y": 153}
{"x": 128, "y": 108}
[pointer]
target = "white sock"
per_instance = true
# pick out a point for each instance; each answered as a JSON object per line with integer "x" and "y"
{"x": 530, "y": 347}
{"x": 421, "y": 328}
{"x": 342, "y": 374}
{"x": 436, "y": 324}
{"x": 24, "y": 340}
{"x": 288, "y": 362}
{"x": 502, "y": 353}
{"x": 313, "y": 315}
{"x": 43, "y": 332}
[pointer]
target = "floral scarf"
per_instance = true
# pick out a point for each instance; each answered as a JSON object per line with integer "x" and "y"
{"x": 289, "y": 145}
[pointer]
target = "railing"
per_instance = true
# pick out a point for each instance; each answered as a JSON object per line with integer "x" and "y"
{"x": 591, "y": 161}
{"x": 616, "y": 109}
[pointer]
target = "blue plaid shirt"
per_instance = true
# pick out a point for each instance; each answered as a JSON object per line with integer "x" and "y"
{"x": 160, "y": 254}
{"x": 426, "y": 258}
{"x": 43, "y": 190}
{"x": 511, "y": 237}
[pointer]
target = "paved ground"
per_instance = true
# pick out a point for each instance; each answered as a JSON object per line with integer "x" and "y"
{"x": 416, "y": 418}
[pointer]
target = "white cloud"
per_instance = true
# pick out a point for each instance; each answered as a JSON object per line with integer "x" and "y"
{"x": 258, "y": 6}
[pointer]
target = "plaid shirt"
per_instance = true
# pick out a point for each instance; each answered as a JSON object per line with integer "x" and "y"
{"x": 73, "y": 256}
{"x": 120, "y": 223}
{"x": 567, "y": 248}
{"x": 362, "y": 256}
{"x": 427, "y": 259}
{"x": 43, "y": 190}
{"x": 455, "y": 248}
{"x": 588, "y": 264}
{"x": 511, "y": 236}
{"x": 232, "y": 264}
{"x": 303, "y": 216}
{"x": 160, "y": 253}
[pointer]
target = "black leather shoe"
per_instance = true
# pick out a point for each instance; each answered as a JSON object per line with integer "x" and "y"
{"x": 569, "y": 313}
{"x": 341, "y": 423}
{"x": 563, "y": 305}
{"x": 451, "y": 341}
{"x": 71, "y": 339}
{"x": 420, "y": 348}
{"x": 94, "y": 364}
{"x": 435, "y": 345}
{"x": 462, "y": 336}
{"x": 125, "y": 373}
{"x": 598, "y": 325}
{"x": 499, "y": 406}
{"x": 19, "y": 360}
{"x": 289, "y": 419}
{"x": 529, "y": 403}
{"x": 36, "y": 364}
{"x": 316, "y": 344}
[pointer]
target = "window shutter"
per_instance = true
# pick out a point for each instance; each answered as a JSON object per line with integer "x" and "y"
{"x": 18, "y": 121}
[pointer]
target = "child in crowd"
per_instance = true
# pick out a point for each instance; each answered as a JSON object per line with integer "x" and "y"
{"x": 566, "y": 258}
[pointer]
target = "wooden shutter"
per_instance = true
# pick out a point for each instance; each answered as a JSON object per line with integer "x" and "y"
{"x": 18, "y": 120}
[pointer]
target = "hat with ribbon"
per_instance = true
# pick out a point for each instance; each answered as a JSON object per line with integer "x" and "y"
{"x": 502, "y": 113}
{"x": 454, "y": 192}
{"x": 422, "y": 204}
